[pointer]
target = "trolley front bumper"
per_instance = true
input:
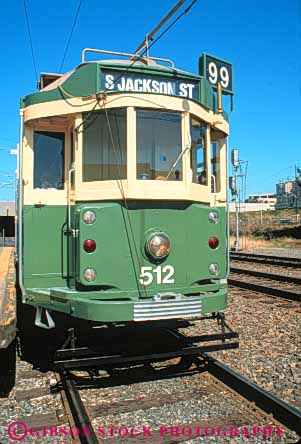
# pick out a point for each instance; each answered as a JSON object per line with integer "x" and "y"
{"x": 94, "y": 307}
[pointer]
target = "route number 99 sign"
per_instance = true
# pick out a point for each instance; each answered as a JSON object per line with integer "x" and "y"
{"x": 217, "y": 71}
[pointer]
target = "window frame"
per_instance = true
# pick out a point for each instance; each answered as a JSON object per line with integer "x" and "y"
{"x": 126, "y": 147}
{"x": 207, "y": 169}
{"x": 42, "y": 117}
{"x": 180, "y": 113}
{"x": 65, "y": 147}
{"x": 43, "y": 196}
{"x": 135, "y": 188}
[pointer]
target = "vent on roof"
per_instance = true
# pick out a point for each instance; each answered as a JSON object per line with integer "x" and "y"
{"x": 47, "y": 78}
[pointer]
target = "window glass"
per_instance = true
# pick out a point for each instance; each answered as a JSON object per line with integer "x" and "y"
{"x": 198, "y": 151}
{"x": 104, "y": 145}
{"x": 49, "y": 150}
{"x": 216, "y": 142}
{"x": 159, "y": 145}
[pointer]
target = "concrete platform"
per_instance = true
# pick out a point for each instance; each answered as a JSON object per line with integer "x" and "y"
{"x": 7, "y": 297}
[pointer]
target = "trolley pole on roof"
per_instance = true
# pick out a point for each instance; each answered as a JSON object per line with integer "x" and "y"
{"x": 150, "y": 35}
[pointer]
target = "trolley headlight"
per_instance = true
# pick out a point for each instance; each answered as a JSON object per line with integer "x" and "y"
{"x": 89, "y": 217}
{"x": 158, "y": 245}
{"x": 214, "y": 269}
{"x": 213, "y": 217}
{"x": 90, "y": 274}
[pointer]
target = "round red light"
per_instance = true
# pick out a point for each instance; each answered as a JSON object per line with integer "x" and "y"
{"x": 213, "y": 242}
{"x": 89, "y": 245}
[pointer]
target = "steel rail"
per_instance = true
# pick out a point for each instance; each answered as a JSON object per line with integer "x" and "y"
{"x": 272, "y": 291}
{"x": 284, "y": 413}
{"x": 68, "y": 360}
{"x": 266, "y": 256}
{"x": 264, "y": 275}
{"x": 265, "y": 259}
{"x": 78, "y": 411}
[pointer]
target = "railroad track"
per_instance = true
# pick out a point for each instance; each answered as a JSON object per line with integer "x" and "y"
{"x": 199, "y": 388}
{"x": 273, "y": 279}
{"x": 75, "y": 409}
{"x": 266, "y": 259}
{"x": 254, "y": 405}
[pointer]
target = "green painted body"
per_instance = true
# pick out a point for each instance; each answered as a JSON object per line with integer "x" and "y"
{"x": 54, "y": 261}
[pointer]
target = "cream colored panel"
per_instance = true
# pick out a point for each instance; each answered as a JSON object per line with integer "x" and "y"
{"x": 132, "y": 188}
{"x": 222, "y": 196}
{"x": 28, "y": 159}
{"x": 208, "y": 158}
{"x": 150, "y": 189}
{"x": 78, "y": 149}
{"x": 79, "y": 105}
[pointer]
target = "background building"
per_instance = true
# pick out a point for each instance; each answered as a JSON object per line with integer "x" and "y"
{"x": 251, "y": 206}
{"x": 7, "y": 220}
{"x": 264, "y": 198}
{"x": 288, "y": 194}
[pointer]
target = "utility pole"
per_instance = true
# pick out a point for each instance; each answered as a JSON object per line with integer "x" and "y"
{"x": 238, "y": 173}
{"x": 235, "y": 193}
{"x": 298, "y": 188}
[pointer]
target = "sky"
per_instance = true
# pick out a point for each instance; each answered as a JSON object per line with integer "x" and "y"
{"x": 261, "y": 38}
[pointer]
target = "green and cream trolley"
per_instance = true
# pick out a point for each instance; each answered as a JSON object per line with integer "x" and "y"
{"x": 123, "y": 191}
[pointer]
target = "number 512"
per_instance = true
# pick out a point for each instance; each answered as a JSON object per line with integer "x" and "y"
{"x": 163, "y": 275}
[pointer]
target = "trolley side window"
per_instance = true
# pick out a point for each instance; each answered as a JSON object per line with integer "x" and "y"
{"x": 49, "y": 150}
{"x": 159, "y": 145}
{"x": 198, "y": 151}
{"x": 104, "y": 145}
{"x": 216, "y": 141}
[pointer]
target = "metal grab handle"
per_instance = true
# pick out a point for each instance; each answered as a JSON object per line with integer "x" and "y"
{"x": 214, "y": 183}
{"x": 213, "y": 178}
{"x": 125, "y": 54}
{"x": 70, "y": 172}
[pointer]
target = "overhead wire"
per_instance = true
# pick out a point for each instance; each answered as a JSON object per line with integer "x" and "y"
{"x": 156, "y": 40}
{"x": 186, "y": 10}
{"x": 119, "y": 180}
{"x": 30, "y": 40}
{"x": 121, "y": 188}
{"x": 70, "y": 35}
{"x": 171, "y": 25}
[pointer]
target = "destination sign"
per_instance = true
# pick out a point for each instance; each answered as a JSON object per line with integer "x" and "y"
{"x": 217, "y": 71}
{"x": 129, "y": 82}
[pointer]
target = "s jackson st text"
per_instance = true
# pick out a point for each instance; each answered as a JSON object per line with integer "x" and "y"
{"x": 145, "y": 84}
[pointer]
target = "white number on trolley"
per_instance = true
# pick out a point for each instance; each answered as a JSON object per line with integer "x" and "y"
{"x": 223, "y": 74}
{"x": 163, "y": 275}
{"x": 212, "y": 68}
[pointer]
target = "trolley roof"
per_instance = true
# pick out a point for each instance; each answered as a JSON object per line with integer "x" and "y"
{"x": 136, "y": 75}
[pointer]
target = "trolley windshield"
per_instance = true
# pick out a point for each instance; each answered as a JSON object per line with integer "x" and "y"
{"x": 159, "y": 145}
